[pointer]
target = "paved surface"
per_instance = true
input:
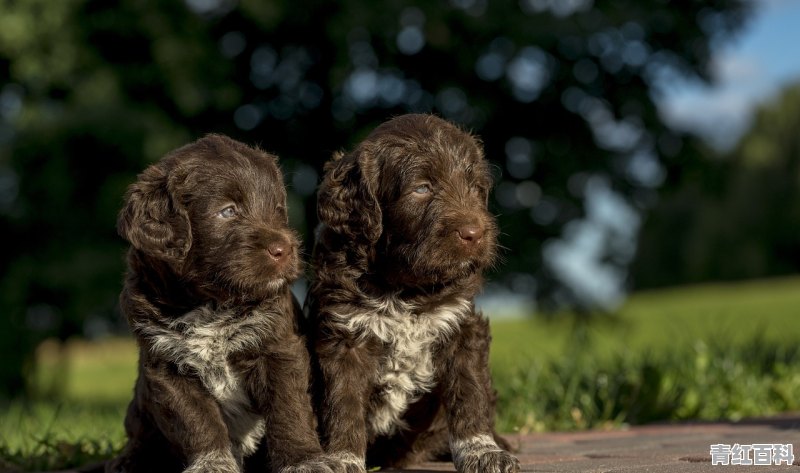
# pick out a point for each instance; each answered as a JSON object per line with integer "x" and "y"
{"x": 655, "y": 448}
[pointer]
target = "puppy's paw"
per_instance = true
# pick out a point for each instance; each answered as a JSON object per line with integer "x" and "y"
{"x": 214, "y": 462}
{"x": 344, "y": 462}
{"x": 481, "y": 454}
{"x": 309, "y": 466}
{"x": 497, "y": 461}
{"x": 329, "y": 463}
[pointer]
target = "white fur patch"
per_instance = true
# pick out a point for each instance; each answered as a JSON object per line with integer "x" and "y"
{"x": 476, "y": 446}
{"x": 199, "y": 343}
{"x": 407, "y": 372}
{"x": 217, "y": 461}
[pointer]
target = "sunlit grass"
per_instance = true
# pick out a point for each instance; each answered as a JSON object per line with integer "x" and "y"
{"x": 83, "y": 389}
{"x": 723, "y": 351}
{"x": 58, "y": 434}
{"x": 102, "y": 372}
{"x": 657, "y": 322}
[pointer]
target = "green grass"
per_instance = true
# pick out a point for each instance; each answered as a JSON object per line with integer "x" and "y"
{"x": 38, "y": 436}
{"x": 76, "y": 418}
{"x": 701, "y": 352}
{"x": 708, "y": 352}
{"x": 659, "y": 322}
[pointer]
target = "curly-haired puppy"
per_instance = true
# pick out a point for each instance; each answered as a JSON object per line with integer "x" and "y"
{"x": 223, "y": 372}
{"x": 400, "y": 353}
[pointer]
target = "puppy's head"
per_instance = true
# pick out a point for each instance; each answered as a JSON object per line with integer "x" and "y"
{"x": 215, "y": 212}
{"x": 417, "y": 190}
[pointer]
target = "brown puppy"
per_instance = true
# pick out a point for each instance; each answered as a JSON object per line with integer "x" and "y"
{"x": 400, "y": 353}
{"x": 223, "y": 373}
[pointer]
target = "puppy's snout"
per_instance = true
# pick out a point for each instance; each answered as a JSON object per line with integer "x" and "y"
{"x": 470, "y": 234}
{"x": 279, "y": 250}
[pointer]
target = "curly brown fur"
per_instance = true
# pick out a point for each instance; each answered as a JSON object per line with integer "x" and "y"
{"x": 223, "y": 371}
{"x": 399, "y": 351}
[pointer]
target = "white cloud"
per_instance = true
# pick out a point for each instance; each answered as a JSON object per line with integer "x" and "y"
{"x": 720, "y": 116}
{"x": 730, "y": 68}
{"x": 722, "y": 112}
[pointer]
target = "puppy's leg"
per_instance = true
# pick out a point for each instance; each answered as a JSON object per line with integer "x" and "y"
{"x": 469, "y": 404}
{"x": 279, "y": 385}
{"x": 190, "y": 419}
{"x": 146, "y": 450}
{"x": 343, "y": 369}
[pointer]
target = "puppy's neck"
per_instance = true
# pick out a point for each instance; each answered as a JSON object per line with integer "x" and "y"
{"x": 172, "y": 295}
{"x": 158, "y": 281}
{"x": 360, "y": 270}
{"x": 421, "y": 295}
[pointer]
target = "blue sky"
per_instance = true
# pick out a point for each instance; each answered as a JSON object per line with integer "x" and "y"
{"x": 749, "y": 70}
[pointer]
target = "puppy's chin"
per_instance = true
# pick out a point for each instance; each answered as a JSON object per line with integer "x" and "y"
{"x": 446, "y": 274}
{"x": 245, "y": 278}
{"x": 271, "y": 282}
{"x": 440, "y": 262}
{"x": 431, "y": 271}
{"x": 269, "y": 288}
{"x": 252, "y": 290}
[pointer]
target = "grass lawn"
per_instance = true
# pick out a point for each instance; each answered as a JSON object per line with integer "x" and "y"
{"x": 723, "y": 351}
{"x": 664, "y": 321}
{"x": 703, "y": 352}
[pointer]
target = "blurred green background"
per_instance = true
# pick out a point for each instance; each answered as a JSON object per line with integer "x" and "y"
{"x": 598, "y": 195}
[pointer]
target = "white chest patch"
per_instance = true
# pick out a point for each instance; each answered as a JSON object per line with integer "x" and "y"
{"x": 407, "y": 370}
{"x": 200, "y": 343}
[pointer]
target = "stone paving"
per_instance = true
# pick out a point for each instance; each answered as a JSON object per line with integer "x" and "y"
{"x": 653, "y": 448}
{"x": 656, "y": 448}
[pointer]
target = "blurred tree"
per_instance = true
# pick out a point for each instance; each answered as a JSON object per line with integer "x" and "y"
{"x": 561, "y": 91}
{"x": 738, "y": 218}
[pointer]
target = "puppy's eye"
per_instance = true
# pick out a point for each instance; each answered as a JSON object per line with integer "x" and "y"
{"x": 422, "y": 190}
{"x": 227, "y": 212}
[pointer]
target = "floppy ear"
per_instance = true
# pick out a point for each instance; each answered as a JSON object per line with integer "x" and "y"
{"x": 346, "y": 201}
{"x": 152, "y": 221}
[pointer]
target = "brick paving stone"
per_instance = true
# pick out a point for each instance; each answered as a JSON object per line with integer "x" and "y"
{"x": 658, "y": 448}
{"x": 651, "y": 448}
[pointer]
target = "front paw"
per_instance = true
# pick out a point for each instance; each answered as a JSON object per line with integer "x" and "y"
{"x": 345, "y": 462}
{"x": 497, "y": 461}
{"x": 214, "y": 462}
{"x": 481, "y": 454}
{"x": 308, "y": 466}
{"x": 329, "y": 463}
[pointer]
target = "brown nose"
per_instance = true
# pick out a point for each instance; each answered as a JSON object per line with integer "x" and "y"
{"x": 278, "y": 250}
{"x": 470, "y": 234}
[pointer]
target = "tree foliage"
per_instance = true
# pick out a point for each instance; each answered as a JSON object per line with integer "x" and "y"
{"x": 562, "y": 93}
